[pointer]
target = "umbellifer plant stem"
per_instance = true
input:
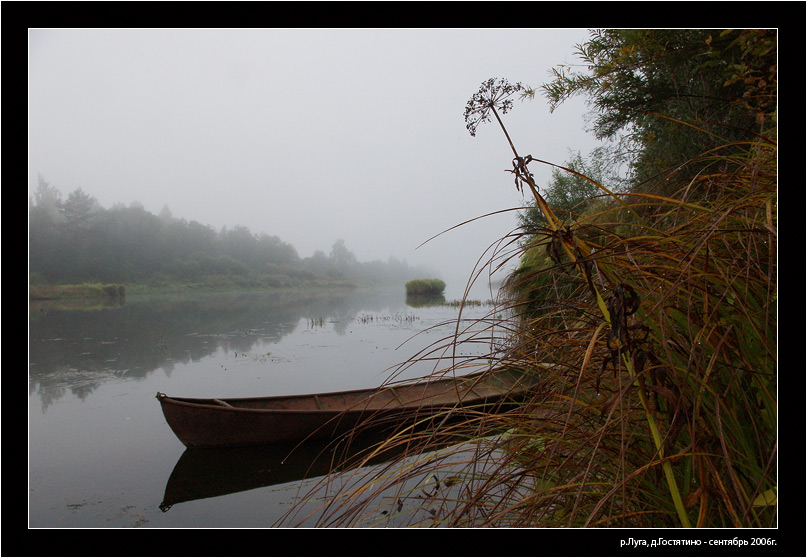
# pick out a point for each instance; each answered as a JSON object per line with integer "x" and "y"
{"x": 626, "y": 356}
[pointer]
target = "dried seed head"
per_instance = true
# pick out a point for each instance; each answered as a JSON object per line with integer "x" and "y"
{"x": 492, "y": 94}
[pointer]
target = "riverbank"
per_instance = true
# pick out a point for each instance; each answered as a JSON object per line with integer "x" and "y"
{"x": 84, "y": 290}
{"x": 115, "y": 291}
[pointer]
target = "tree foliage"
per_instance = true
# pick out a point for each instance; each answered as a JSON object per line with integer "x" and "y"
{"x": 568, "y": 194}
{"x": 77, "y": 240}
{"x": 657, "y": 90}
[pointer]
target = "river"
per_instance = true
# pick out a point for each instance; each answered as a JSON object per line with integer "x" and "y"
{"x": 100, "y": 453}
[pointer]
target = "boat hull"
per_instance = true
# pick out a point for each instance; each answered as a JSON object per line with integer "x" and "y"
{"x": 204, "y": 423}
{"x": 209, "y": 425}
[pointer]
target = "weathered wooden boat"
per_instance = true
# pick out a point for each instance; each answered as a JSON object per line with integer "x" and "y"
{"x": 204, "y": 423}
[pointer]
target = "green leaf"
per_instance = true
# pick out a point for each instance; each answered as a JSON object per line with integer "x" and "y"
{"x": 767, "y": 498}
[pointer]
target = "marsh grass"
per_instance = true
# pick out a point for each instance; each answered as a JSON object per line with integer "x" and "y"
{"x": 83, "y": 290}
{"x": 425, "y": 287}
{"x": 670, "y": 416}
{"x": 651, "y": 318}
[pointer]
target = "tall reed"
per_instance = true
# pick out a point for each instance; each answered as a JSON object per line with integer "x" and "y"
{"x": 651, "y": 319}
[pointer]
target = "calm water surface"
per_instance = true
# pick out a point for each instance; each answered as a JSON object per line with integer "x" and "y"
{"x": 100, "y": 451}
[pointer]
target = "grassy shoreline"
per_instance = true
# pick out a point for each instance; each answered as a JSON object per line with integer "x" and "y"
{"x": 101, "y": 290}
{"x": 83, "y": 290}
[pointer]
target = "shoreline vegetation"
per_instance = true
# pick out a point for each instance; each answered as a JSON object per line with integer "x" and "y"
{"x": 425, "y": 292}
{"x": 76, "y": 241}
{"x": 119, "y": 292}
{"x": 84, "y": 290}
{"x": 646, "y": 302}
{"x": 426, "y": 287}
{"x": 100, "y": 291}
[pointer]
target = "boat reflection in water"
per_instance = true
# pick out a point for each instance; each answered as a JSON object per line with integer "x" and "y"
{"x": 211, "y": 472}
{"x": 236, "y": 445}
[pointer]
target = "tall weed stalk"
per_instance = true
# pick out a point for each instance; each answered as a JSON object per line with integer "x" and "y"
{"x": 651, "y": 319}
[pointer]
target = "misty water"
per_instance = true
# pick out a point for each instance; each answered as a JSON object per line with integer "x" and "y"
{"x": 100, "y": 452}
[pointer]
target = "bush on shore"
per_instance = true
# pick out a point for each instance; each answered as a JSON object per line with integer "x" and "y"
{"x": 425, "y": 287}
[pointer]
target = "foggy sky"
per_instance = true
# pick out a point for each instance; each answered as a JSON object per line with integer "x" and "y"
{"x": 311, "y": 135}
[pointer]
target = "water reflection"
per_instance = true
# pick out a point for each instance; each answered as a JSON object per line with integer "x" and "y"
{"x": 421, "y": 300}
{"x": 209, "y": 473}
{"x": 99, "y": 446}
{"x": 74, "y": 349}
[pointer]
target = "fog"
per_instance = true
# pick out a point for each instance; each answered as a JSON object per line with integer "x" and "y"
{"x": 310, "y": 135}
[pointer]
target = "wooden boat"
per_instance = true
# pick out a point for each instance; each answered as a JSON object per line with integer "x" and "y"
{"x": 201, "y": 423}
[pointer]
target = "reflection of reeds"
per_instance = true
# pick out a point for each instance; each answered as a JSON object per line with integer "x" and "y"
{"x": 652, "y": 320}
{"x": 398, "y": 317}
{"x": 424, "y": 300}
{"x": 468, "y": 303}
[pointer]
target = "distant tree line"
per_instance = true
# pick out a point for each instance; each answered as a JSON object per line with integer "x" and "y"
{"x": 76, "y": 240}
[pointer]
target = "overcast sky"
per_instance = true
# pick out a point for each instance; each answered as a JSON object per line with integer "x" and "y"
{"x": 311, "y": 135}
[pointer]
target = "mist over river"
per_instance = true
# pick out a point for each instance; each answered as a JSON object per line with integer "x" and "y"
{"x": 100, "y": 452}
